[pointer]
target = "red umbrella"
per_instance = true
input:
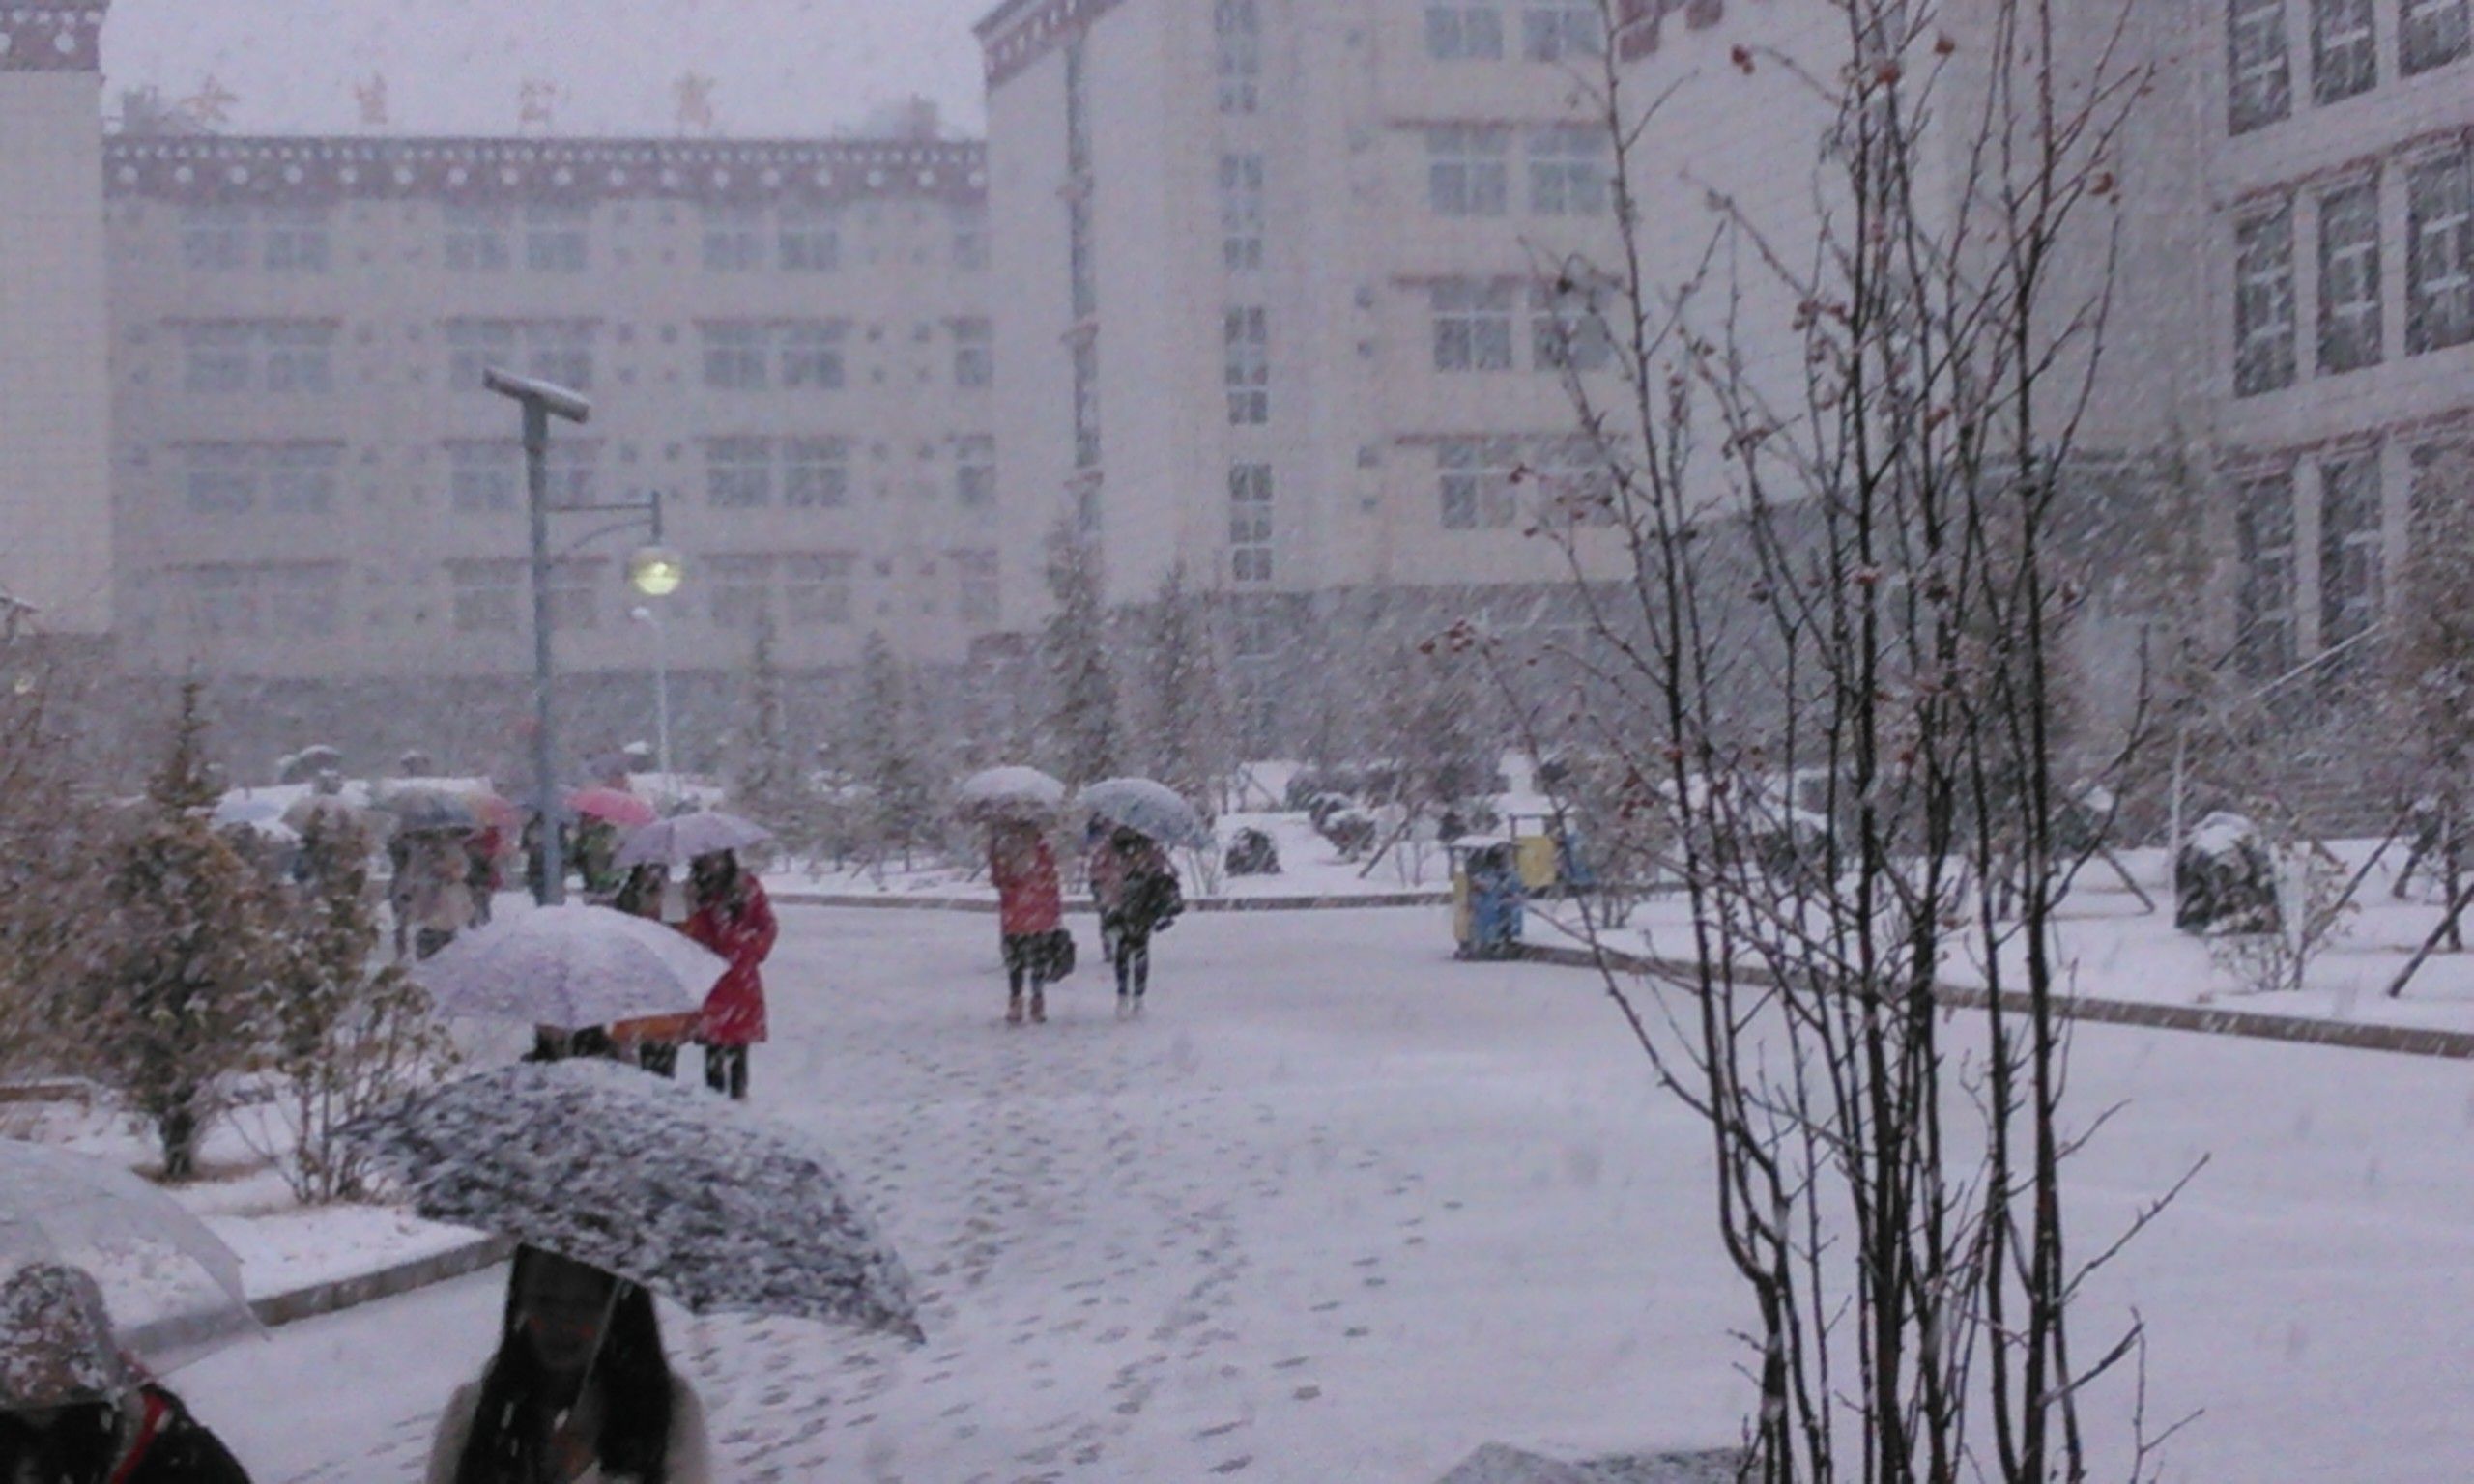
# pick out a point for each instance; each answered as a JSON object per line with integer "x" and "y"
{"x": 615, "y": 805}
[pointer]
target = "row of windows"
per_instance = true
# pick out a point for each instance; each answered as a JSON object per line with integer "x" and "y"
{"x": 306, "y": 600}
{"x": 1486, "y": 483}
{"x": 1474, "y": 322}
{"x": 806, "y": 473}
{"x": 545, "y": 237}
{"x": 2344, "y": 50}
{"x": 2354, "y": 310}
{"x": 1550, "y": 30}
{"x": 1469, "y": 170}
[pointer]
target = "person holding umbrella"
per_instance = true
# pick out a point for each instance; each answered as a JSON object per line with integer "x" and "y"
{"x": 579, "y": 1390}
{"x": 655, "y": 1039}
{"x": 729, "y": 913}
{"x": 1030, "y": 913}
{"x": 72, "y": 1411}
{"x": 1147, "y": 901}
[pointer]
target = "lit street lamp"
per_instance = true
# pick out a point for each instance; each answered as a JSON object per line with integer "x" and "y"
{"x": 661, "y": 683}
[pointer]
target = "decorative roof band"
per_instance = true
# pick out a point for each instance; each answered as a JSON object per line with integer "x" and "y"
{"x": 1021, "y": 33}
{"x": 63, "y": 36}
{"x": 198, "y": 168}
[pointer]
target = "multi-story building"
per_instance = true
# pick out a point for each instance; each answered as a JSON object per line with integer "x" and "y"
{"x": 321, "y": 505}
{"x": 55, "y": 495}
{"x": 1280, "y": 299}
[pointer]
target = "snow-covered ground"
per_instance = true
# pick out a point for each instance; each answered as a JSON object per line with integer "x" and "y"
{"x": 1341, "y": 1209}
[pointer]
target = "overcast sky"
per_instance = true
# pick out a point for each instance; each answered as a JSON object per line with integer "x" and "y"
{"x": 778, "y": 67}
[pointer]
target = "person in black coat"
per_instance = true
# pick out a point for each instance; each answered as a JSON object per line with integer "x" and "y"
{"x": 1148, "y": 899}
{"x": 74, "y": 1412}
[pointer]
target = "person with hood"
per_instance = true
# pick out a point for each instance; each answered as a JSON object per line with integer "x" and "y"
{"x": 72, "y": 1411}
{"x": 579, "y": 1392}
{"x": 728, "y": 914}
{"x": 1031, "y": 912}
{"x": 1148, "y": 901}
{"x": 654, "y": 1039}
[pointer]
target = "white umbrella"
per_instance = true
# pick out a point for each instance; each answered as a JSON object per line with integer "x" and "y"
{"x": 571, "y": 968}
{"x": 681, "y": 841}
{"x": 1147, "y": 808}
{"x": 1010, "y": 793}
{"x": 667, "y": 1186}
{"x": 173, "y": 1285}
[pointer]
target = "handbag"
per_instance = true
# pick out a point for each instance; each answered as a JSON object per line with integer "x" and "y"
{"x": 1060, "y": 953}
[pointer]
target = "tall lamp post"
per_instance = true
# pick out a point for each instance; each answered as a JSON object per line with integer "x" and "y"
{"x": 655, "y": 570}
{"x": 661, "y": 691}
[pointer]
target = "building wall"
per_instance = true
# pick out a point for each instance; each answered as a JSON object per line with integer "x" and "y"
{"x": 55, "y": 504}
{"x": 854, "y": 269}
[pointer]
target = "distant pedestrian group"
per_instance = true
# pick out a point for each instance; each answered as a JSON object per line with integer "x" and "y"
{"x": 1132, "y": 883}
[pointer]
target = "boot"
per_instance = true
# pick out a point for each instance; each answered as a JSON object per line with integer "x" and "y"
{"x": 1039, "y": 1008}
{"x": 1014, "y": 1009}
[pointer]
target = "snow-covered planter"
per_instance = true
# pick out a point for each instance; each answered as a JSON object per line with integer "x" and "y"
{"x": 2224, "y": 880}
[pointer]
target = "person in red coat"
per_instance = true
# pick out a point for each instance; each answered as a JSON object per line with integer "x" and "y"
{"x": 729, "y": 915}
{"x": 1030, "y": 909}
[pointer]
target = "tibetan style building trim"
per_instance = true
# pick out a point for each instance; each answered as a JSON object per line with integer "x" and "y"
{"x": 202, "y": 169}
{"x": 65, "y": 36}
{"x": 1021, "y": 32}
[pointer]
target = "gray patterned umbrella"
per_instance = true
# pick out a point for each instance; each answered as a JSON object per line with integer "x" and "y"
{"x": 688, "y": 1194}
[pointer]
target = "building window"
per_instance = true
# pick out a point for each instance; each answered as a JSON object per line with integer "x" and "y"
{"x": 1567, "y": 171}
{"x": 214, "y": 239}
{"x": 1573, "y": 481}
{"x": 2344, "y": 49}
{"x": 223, "y": 601}
{"x": 1250, "y": 522}
{"x": 2264, "y": 534}
{"x": 1246, "y": 367}
{"x": 1237, "y": 31}
{"x": 976, "y": 471}
{"x": 1468, "y": 170}
{"x": 300, "y": 478}
{"x": 734, "y": 239}
{"x": 220, "y": 478}
{"x": 296, "y": 240}
{"x": 1568, "y": 328}
{"x": 975, "y": 592}
{"x": 739, "y": 591}
{"x": 2263, "y": 301}
{"x": 304, "y": 599}
{"x": 557, "y": 237}
{"x": 2262, "y": 89}
{"x": 812, "y": 354}
{"x": 1562, "y": 32}
{"x": 560, "y": 353}
{"x": 1241, "y": 213}
{"x": 1086, "y": 402}
{"x": 2434, "y": 33}
{"x": 1472, "y": 325}
{"x": 477, "y": 239}
{"x": 575, "y": 596}
{"x": 300, "y": 358}
{"x": 739, "y": 473}
{"x": 736, "y": 356}
{"x": 568, "y": 470}
{"x": 816, "y": 588}
{"x": 2439, "y": 253}
{"x": 2349, "y": 547}
{"x": 488, "y": 595}
{"x": 473, "y": 347}
{"x": 2349, "y": 318}
{"x": 974, "y": 353}
{"x": 1475, "y": 482}
{"x": 810, "y": 239}
{"x": 219, "y": 358}
{"x": 816, "y": 473}
{"x": 1464, "y": 33}
{"x": 970, "y": 225}
{"x": 483, "y": 478}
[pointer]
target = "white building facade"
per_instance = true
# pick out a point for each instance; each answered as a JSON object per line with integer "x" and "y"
{"x": 55, "y": 492}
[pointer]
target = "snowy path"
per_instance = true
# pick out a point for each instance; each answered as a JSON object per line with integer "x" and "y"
{"x": 1342, "y": 1210}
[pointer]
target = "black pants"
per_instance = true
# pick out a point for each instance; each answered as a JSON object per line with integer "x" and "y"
{"x": 1026, "y": 958}
{"x": 660, "y": 1057}
{"x": 1134, "y": 963}
{"x": 726, "y": 1070}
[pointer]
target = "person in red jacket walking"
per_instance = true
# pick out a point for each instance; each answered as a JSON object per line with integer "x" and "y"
{"x": 1031, "y": 910}
{"x": 728, "y": 914}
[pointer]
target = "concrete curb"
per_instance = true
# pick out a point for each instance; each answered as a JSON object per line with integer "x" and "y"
{"x": 2251, "y": 1025}
{"x": 338, "y": 1295}
{"x": 49, "y": 1090}
{"x": 889, "y": 902}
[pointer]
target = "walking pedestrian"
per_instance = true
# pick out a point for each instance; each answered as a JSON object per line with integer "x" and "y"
{"x": 1148, "y": 901}
{"x": 72, "y": 1411}
{"x": 580, "y": 1391}
{"x": 654, "y": 1039}
{"x": 1030, "y": 914}
{"x": 731, "y": 915}
{"x": 1105, "y": 868}
{"x": 440, "y": 901}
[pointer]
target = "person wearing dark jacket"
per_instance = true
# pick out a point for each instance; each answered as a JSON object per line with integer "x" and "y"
{"x": 74, "y": 1412}
{"x": 1148, "y": 901}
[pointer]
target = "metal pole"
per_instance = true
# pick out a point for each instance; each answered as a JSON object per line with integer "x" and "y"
{"x": 545, "y": 749}
{"x": 661, "y": 702}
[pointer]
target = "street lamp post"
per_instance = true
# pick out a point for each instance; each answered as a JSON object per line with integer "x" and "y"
{"x": 661, "y": 691}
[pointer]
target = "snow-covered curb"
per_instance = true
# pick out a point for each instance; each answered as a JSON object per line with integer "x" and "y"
{"x": 334, "y": 1295}
{"x": 939, "y": 902}
{"x": 2405, "y": 1040}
